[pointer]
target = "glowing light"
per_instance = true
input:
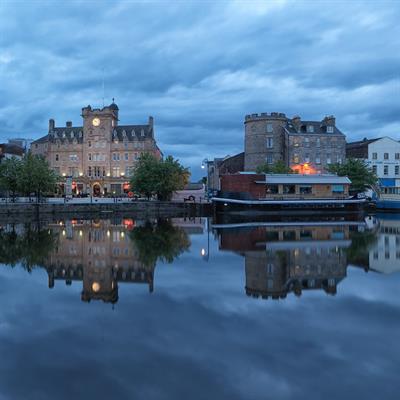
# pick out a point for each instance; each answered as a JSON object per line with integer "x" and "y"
{"x": 203, "y": 252}
{"x": 80, "y": 173}
{"x": 64, "y": 174}
{"x": 108, "y": 233}
{"x": 122, "y": 234}
{"x": 95, "y": 287}
{"x": 122, "y": 173}
{"x": 80, "y": 233}
{"x": 108, "y": 174}
{"x": 63, "y": 232}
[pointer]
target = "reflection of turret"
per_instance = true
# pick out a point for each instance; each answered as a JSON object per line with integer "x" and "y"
{"x": 101, "y": 255}
{"x": 293, "y": 258}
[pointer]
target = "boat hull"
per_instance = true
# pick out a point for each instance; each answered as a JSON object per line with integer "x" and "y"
{"x": 388, "y": 205}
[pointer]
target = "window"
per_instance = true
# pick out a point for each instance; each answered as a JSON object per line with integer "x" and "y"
{"x": 126, "y": 156}
{"x": 305, "y": 189}
{"x": 89, "y": 143}
{"x": 115, "y": 172}
{"x": 307, "y": 158}
{"x": 269, "y": 159}
{"x": 397, "y": 156}
{"x": 339, "y": 159}
{"x": 318, "y": 142}
{"x": 329, "y": 129}
{"x": 116, "y": 156}
{"x": 385, "y": 170}
{"x": 396, "y": 169}
{"x": 317, "y": 159}
{"x": 307, "y": 141}
{"x": 310, "y": 128}
{"x": 289, "y": 189}
{"x": 374, "y": 169}
{"x": 296, "y": 159}
{"x": 386, "y": 156}
{"x": 374, "y": 156}
{"x": 270, "y": 128}
{"x": 73, "y": 157}
{"x": 272, "y": 189}
{"x": 337, "y": 188}
{"x": 270, "y": 143}
{"x": 57, "y": 158}
{"x": 90, "y": 171}
{"x": 328, "y": 159}
{"x": 90, "y": 156}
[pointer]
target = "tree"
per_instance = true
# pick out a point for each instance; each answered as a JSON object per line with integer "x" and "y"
{"x": 278, "y": 168}
{"x": 359, "y": 173}
{"x": 159, "y": 177}
{"x": 10, "y": 172}
{"x": 36, "y": 176}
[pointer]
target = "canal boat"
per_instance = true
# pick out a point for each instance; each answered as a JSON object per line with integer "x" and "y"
{"x": 389, "y": 196}
{"x": 286, "y": 193}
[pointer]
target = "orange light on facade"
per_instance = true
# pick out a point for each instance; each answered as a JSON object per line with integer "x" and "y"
{"x": 304, "y": 169}
{"x": 129, "y": 223}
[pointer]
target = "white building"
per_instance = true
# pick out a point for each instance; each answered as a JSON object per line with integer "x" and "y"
{"x": 382, "y": 155}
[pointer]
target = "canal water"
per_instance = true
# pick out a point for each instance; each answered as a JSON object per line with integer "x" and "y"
{"x": 124, "y": 308}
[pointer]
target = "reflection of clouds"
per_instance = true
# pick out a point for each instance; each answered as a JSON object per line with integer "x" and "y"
{"x": 198, "y": 336}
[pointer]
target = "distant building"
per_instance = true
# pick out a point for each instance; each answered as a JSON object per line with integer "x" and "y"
{"x": 8, "y": 150}
{"x": 306, "y": 146}
{"x": 21, "y": 142}
{"x": 100, "y": 155}
{"x": 382, "y": 155}
{"x": 221, "y": 166}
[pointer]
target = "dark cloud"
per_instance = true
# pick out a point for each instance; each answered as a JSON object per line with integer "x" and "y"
{"x": 200, "y": 67}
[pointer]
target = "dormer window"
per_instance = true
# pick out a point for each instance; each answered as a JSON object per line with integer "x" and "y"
{"x": 329, "y": 129}
{"x": 310, "y": 128}
{"x": 124, "y": 134}
{"x": 63, "y": 134}
{"x": 72, "y": 134}
{"x": 142, "y": 133}
{"x": 80, "y": 134}
{"x": 133, "y": 132}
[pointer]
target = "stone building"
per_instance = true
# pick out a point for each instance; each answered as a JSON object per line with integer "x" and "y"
{"x": 306, "y": 146}
{"x": 100, "y": 155}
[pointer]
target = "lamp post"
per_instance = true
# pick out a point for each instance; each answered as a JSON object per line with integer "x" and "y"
{"x": 205, "y": 164}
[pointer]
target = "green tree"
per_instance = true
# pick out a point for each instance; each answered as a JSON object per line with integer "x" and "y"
{"x": 36, "y": 176}
{"x": 159, "y": 177}
{"x": 359, "y": 173}
{"x": 159, "y": 242}
{"x": 278, "y": 168}
{"x": 10, "y": 172}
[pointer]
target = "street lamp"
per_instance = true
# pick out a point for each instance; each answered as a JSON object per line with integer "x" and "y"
{"x": 204, "y": 164}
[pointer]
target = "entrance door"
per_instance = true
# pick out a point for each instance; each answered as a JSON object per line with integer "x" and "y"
{"x": 96, "y": 190}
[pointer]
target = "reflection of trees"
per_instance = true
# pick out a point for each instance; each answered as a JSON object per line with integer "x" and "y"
{"x": 30, "y": 248}
{"x": 159, "y": 242}
{"x": 358, "y": 252}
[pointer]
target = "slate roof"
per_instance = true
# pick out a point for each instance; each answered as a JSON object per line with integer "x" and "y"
{"x": 319, "y": 128}
{"x": 6, "y": 148}
{"x": 122, "y": 132}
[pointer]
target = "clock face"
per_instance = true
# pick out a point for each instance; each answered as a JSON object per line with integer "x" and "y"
{"x": 96, "y": 122}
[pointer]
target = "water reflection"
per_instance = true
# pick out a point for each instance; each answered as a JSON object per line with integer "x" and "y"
{"x": 279, "y": 257}
{"x": 100, "y": 253}
{"x": 298, "y": 256}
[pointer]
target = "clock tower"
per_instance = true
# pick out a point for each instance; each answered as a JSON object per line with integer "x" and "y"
{"x": 98, "y": 124}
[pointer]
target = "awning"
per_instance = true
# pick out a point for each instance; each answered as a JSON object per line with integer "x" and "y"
{"x": 387, "y": 182}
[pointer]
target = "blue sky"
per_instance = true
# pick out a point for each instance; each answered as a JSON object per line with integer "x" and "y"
{"x": 200, "y": 67}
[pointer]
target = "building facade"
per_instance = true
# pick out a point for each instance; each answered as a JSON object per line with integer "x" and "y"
{"x": 382, "y": 155}
{"x": 8, "y": 150}
{"x": 305, "y": 146}
{"x": 98, "y": 157}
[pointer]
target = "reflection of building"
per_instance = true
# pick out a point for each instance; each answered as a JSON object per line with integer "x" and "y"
{"x": 384, "y": 255}
{"x": 279, "y": 260}
{"x": 100, "y": 254}
{"x": 101, "y": 154}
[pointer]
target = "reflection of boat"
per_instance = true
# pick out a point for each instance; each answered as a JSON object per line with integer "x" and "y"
{"x": 283, "y": 257}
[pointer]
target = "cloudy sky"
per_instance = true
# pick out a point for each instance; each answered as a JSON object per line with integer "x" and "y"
{"x": 199, "y": 66}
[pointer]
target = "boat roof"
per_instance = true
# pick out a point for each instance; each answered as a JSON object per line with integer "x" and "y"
{"x": 305, "y": 179}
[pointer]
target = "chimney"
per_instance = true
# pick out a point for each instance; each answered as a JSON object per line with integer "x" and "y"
{"x": 68, "y": 124}
{"x": 151, "y": 121}
{"x": 51, "y": 125}
{"x": 329, "y": 120}
{"x": 296, "y": 121}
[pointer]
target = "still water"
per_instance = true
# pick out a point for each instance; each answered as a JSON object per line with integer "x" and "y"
{"x": 186, "y": 308}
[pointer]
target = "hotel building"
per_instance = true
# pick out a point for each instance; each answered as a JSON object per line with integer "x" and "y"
{"x": 98, "y": 157}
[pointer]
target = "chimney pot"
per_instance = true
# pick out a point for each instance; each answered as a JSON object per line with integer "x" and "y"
{"x": 68, "y": 124}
